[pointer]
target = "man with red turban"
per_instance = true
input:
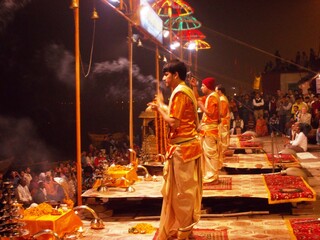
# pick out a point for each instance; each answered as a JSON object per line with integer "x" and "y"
{"x": 209, "y": 128}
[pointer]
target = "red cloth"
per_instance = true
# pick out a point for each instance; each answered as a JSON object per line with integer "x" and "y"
{"x": 284, "y": 189}
{"x": 282, "y": 158}
{"x": 305, "y": 228}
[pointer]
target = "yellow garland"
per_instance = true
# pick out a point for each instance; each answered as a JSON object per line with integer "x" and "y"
{"x": 142, "y": 228}
{"x": 118, "y": 168}
{"x": 40, "y": 210}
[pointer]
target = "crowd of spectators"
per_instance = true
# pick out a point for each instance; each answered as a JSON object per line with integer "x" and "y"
{"x": 280, "y": 114}
{"x": 55, "y": 185}
{"x": 109, "y": 151}
{"x": 58, "y": 182}
{"x": 300, "y": 61}
{"x": 266, "y": 114}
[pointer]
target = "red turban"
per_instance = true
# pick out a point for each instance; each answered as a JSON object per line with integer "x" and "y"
{"x": 209, "y": 82}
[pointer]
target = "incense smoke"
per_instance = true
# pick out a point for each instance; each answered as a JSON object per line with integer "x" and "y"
{"x": 61, "y": 62}
{"x": 143, "y": 86}
{"x": 8, "y": 8}
{"x": 19, "y": 141}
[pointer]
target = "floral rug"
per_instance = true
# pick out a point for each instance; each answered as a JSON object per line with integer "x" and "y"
{"x": 287, "y": 160}
{"x": 304, "y": 228}
{"x": 284, "y": 189}
{"x": 205, "y": 234}
{"x": 225, "y": 183}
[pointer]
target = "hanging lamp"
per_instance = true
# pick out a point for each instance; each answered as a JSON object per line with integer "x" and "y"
{"x": 182, "y": 23}
{"x": 197, "y": 44}
{"x": 192, "y": 34}
{"x": 172, "y": 8}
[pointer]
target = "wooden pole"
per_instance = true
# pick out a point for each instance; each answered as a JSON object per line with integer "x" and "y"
{"x": 181, "y": 48}
{"x": 157, "y": 115}
{"x": 77, "y": 96}
{"x": 272, "y": 152}
{"x": 130, "y": 87}
{"x": 170, "y": 27}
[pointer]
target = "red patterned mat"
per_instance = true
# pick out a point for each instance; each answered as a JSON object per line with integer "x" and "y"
{"x": 304, "y": 228}
{"x": 250, "y": 144}
{"x": 282, "y": 159}
{"x": 225, "y": 183}
{"x": 284, "y": 189}
{"x": 205, "y": 234}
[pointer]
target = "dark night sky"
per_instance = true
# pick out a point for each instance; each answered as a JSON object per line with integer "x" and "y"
{"x": 37, "y": 60}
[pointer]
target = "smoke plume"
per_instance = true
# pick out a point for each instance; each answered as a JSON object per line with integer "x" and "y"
{"x": 143, "y": 86}
{"x": 61, "y": 62}
{"x": 19, "y": 141}
{"x": 8, "y": 8}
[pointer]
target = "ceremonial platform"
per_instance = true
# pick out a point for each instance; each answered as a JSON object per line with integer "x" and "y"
{"x": 242, "y": 206}
{"x": 218, "y": 229}
{"x": 230, "y": 186}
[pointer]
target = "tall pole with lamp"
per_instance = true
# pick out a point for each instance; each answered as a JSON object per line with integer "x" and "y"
{"x": 130, "y": 87}
{"x": 75, "y": 7}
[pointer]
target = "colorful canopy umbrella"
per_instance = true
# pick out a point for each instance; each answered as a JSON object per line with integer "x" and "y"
{"x": 182, "y": 23}
{"x": 192, "y": 34}
{"x": 172, "y": 8}
{"x": 197, "y": 44}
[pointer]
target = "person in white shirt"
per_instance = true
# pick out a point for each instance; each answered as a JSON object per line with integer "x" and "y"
{"x": 22, "y": 193}
{"x": 300, "y": 143}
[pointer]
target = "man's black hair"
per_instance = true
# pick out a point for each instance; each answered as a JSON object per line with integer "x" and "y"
{"x": 174, "y": 66}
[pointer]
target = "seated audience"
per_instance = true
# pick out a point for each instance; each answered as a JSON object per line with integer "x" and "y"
{"x": 300, "y": 143}
{"x": 318, "y": 136}
{"x": 304, "y": 116}
{"x": 238, "y": 126}
{"x": 28, "y": 175}
{"x": 274, "y": 124}
{"x": 54, "y": 190}
{"x": 292, "y": 132}
{"x": 261, "y": 126}
{"x": 295, "y": 113}
{"x": 40, "y": 194}
{"x": 22, "y": 193}
{"x": 34, "y": 184}
{"x": 251, "y": 125}
{"x": 14, "y": 178}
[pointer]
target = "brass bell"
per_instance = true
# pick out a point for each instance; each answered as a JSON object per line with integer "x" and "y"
{"x": 74, "y": 4}
{"x": 139, "y": 43}
{"x": 94, "y": 15}
{"x": 165, "y": 59}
